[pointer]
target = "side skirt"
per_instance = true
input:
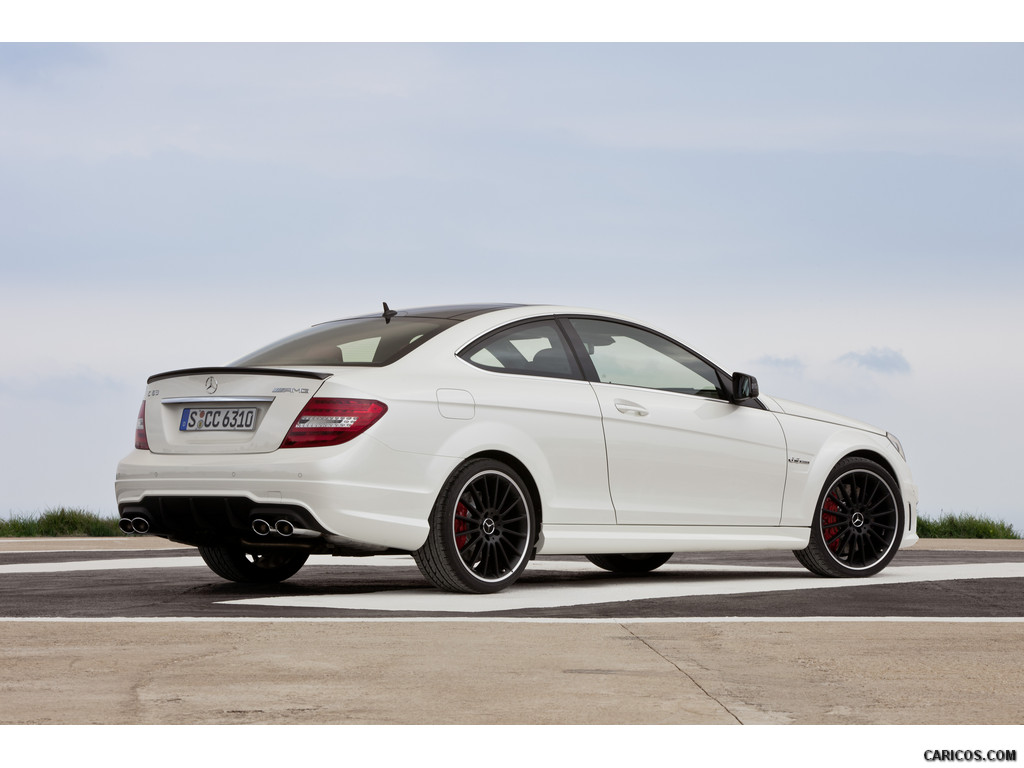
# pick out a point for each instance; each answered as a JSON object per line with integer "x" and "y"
{"x": 626, "y": 539}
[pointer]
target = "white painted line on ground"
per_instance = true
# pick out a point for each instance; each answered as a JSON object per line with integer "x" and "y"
{"x": 516, "y": 620}
{"x": 534, "y": 596}
{"x": 103, "y": 565}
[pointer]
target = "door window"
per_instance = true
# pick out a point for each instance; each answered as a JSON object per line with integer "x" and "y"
{"x": 625, "y": 354}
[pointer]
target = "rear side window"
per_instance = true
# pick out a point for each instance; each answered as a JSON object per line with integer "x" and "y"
{"x": 362, "y": 341}
{"x": 533, "y": 349}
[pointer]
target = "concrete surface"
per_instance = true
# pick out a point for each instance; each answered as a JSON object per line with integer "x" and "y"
{"x": 433, "y": 673}
{"x": 969, "y": 545}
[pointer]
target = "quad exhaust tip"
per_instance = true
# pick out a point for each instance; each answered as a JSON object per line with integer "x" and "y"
{"x": 133, "y": 525}
{"x": 263, "y": 528}
{"x": 283, "y": 528}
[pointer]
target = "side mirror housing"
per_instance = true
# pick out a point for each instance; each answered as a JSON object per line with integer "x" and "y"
{"x": 744, "y": 387}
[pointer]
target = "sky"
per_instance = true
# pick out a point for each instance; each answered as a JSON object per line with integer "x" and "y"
{"x": 843, "y": 221}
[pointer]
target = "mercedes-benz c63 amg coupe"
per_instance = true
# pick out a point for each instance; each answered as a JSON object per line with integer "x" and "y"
{"x": 477, "y": 437}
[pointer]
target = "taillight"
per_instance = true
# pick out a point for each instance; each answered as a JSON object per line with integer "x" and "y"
{"x": 332, "y": 421}
{"x": 141, "y": 441}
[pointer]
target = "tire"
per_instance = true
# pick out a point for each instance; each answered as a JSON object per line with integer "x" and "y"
{"x": 234, "y": 564}
{"x": 630, "y": 563}
{"x": 858, "y": 524}
{"x": 482, "y": 530}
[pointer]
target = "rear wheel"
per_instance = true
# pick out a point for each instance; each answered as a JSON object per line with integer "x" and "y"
{"x": 234, "y": 564}
{"x": 630, "y": 563}
{"x": 482, "y": 530}
{"x": 858, "y": 525}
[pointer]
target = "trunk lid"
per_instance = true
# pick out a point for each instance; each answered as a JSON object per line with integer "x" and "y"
{"x": 225, "y": 410}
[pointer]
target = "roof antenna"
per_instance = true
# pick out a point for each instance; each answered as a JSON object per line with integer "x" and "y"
{"x": 388, "y": 313}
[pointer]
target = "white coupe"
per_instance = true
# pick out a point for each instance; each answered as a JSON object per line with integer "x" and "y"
{"x": 477, "y": 437}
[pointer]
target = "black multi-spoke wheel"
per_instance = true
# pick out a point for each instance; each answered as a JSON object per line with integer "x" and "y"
{"x": 481, "y": 530}
{"x": 630, "y": 563}
{"x": 858, "y": 525}
{"x": 235, "y": 564}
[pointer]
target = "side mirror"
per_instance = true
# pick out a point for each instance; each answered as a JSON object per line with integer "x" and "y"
{"x": 744, "y": 387}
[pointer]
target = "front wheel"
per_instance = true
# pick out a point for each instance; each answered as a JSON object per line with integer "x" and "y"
{"x": 630, "y": 564}
{"x": 234, "y": 564}
{"x": 482, "y": 530}
{"x": 858, "y": 524}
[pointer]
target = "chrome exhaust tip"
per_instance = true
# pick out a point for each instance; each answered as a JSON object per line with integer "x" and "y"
{"x": 125, "y": 525}
{"x": 284, "y": 527}
{"x": 261, "y": 527}
{"x": 140, "y": 525}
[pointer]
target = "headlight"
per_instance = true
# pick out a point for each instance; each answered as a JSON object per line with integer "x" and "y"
{"x": 896, "y": 444}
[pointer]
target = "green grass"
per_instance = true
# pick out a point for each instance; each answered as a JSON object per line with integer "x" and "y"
{"x": 60, "y": 522}
{"x": 964, "y": 526}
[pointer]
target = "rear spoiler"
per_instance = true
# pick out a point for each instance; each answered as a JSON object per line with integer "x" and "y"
{"x": 250, "y": 371}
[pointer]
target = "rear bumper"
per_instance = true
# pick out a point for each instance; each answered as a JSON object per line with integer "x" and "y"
{"x": 366, "y": 494}
{"x": 210, "y": 520}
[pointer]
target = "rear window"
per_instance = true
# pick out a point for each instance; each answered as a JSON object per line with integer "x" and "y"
{"x": 361, "y": 341}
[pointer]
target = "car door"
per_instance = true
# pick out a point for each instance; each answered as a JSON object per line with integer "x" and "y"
{"x": 537, "y": 404}
{"x": 679, "y": 452}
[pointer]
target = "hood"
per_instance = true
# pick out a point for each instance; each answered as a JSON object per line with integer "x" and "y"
{"x": 807, "y": 412}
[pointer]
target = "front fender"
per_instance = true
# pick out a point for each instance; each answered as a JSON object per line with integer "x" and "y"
{"x": 814, "y": 449}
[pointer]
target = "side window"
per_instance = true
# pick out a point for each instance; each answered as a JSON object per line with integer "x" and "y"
{"x": 623, "y": 354}
{"x": 533, "y": 349}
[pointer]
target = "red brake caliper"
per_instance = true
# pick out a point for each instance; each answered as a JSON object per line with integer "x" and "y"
{"x": 461, "y": 526}
{"x": 831, "y": 533}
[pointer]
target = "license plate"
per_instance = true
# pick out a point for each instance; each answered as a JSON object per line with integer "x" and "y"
{"x": 218, "y": 420}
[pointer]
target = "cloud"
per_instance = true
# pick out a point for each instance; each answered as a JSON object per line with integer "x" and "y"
{"x": 879, "y": 359}
{"x": 789, "y": 364}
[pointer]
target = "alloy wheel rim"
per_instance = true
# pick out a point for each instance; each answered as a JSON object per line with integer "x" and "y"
{"x": 859, "y": 519}
{"x": 491, "y": 526}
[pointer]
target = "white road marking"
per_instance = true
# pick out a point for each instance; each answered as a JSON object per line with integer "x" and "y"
{"x": 533, "y": 596}
{"x": 515, "y": 620}
{"x": 103, "y": 565}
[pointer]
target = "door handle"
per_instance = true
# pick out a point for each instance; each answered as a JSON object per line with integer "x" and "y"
{"x": 627, "y": 406}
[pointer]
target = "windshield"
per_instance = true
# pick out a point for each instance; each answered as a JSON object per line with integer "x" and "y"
{"x": 360, "y": 341}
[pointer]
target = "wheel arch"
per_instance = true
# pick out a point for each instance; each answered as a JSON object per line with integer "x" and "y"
{"x": 825, "y": 446}
{"x": 878, "y": 459}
